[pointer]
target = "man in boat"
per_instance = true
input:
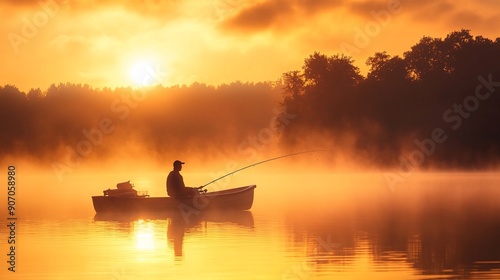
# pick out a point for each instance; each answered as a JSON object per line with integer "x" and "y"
{"x": 175, "y": 183}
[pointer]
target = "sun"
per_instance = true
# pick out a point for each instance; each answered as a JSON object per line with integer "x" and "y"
{"x": 144, "y": 73}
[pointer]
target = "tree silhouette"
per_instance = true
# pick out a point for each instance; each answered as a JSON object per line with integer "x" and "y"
{"x": 207, "y": 120}
{"x": 402, "y": 100}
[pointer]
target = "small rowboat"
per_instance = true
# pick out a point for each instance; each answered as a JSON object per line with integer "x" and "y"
{"x": 239, "y": 199}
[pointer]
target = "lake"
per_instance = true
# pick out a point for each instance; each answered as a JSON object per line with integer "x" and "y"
{"x": 302, "y": 226}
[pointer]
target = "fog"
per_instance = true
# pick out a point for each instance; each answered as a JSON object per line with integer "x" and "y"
{"x": 304, "y": 188}
{"x": 433, "y": 110}
{"x": 76, "y": 121}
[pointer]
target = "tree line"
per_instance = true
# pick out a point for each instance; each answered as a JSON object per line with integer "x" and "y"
{"x": 436, "y": 106}
{"x": 78, "y": 121}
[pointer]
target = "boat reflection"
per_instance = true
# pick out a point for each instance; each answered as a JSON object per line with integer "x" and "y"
{"x": 242, "y": 218}
{"x": 177, "y": 225}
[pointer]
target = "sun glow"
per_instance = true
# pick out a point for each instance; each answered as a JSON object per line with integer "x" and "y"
{"x": 144, "y": 235}
{"x": 144, "y": 73}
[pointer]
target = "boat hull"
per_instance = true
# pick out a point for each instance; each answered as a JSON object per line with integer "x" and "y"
{"x": 233, "y": 199}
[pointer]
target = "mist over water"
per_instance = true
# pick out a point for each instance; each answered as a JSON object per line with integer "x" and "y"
{"x": 306, "y": 220}
{"x": 302, "y": 184}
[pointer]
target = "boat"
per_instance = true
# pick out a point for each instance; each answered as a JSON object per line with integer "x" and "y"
{"x": 126, "y": 199}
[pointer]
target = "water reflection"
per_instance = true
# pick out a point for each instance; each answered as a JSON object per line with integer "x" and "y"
{"x": 178, "y": 226}
{"x": 437, "y": 234}
{"x": 144, "y": 226}
{"x": 444, "y": 231}
{"x": 175, "y": 234}
{"x": 144, "y": 235}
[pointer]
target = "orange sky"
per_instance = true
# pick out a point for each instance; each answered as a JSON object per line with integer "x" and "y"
{"x": 212, "y": 41}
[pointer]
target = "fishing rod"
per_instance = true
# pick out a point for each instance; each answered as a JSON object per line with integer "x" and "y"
{"x": 260, "y": 162}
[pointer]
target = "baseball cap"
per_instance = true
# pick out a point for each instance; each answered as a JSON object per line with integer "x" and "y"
{"x": 178, "y": 162}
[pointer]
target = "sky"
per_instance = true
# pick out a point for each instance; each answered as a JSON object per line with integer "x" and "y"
{"x": 113, "y": 43}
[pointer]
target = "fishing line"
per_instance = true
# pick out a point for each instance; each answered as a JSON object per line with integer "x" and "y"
{"x": 260, "y": 162}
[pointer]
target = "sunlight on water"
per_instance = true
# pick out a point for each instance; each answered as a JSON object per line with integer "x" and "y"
{"x": 345, "y": 226}
{"x": 144, "y": 235}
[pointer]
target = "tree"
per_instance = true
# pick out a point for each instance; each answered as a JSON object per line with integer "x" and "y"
{"x": 404, "y": 99}
{"x": 324, "y": 74}
{"x": 426, "y": 60}
{"x": 293, "y": 84}
{"x": 383, "y": 67}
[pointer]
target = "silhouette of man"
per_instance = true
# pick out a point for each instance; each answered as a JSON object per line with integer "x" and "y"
{"x": 175, "y": 183}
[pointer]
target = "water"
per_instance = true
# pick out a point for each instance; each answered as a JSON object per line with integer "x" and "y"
{"x": 432, "y": 226}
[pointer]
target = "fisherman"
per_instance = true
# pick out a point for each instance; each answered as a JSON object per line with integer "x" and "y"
{"x": 175, "y": 183}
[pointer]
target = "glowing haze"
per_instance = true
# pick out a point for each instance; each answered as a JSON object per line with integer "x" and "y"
{"x": 108, "y": 43}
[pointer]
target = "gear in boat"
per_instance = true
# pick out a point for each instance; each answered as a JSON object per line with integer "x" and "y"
{"x": 125, "y": 189}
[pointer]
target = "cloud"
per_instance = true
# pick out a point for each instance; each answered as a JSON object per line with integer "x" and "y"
{"x": 260, "y": 16}
{"x": 70, "y": 43}
{"x": 20, "y": 2}
{"x": 432, "y": 11}
{"x": 467, "y": 18}
{"x": 166, "y": 9}
{"x": 364, "y": 9}
{"x": 272, "y": 13}
{"x": 423, "y": 9}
